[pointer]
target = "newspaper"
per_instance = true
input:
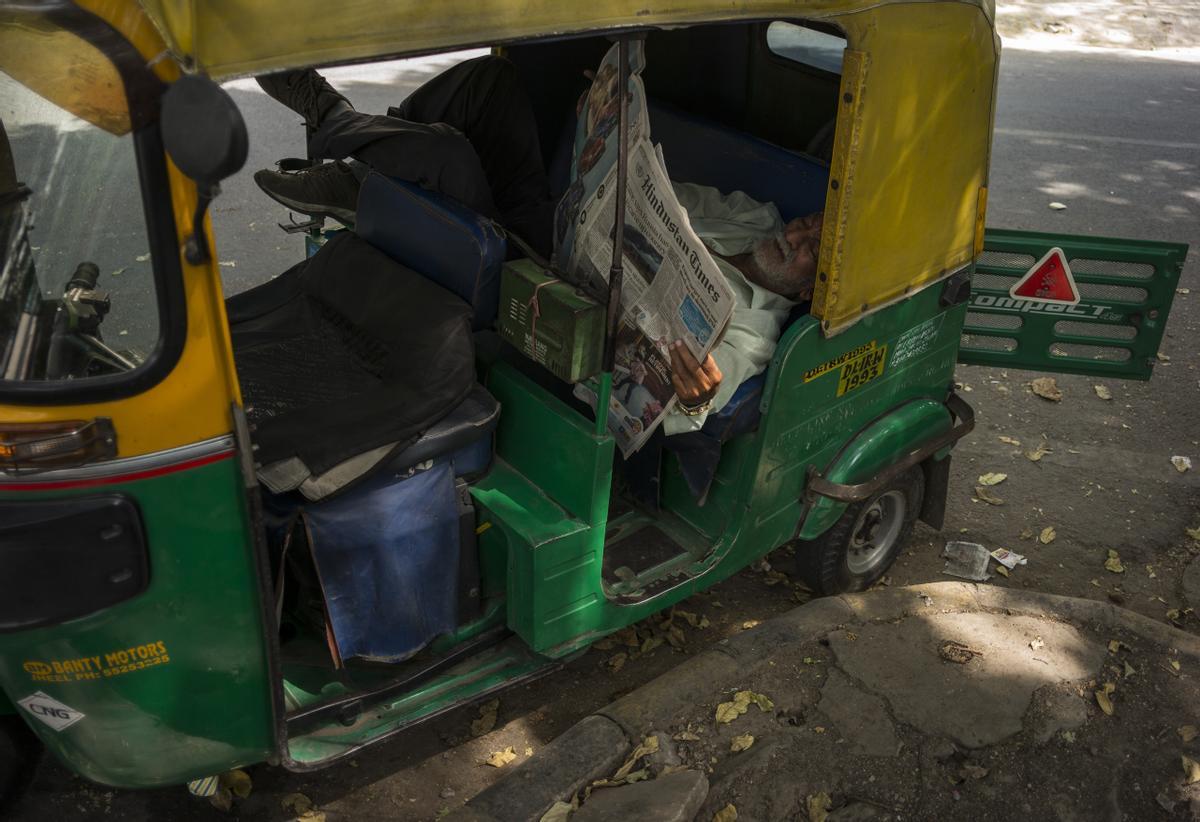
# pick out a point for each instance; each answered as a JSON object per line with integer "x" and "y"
{"x": 671, "y": 288}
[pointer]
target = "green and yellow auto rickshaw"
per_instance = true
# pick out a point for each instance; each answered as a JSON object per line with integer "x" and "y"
{"x": 165, "y": 615}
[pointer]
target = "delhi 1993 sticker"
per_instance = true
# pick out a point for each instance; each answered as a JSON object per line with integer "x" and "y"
{"x": 862, "y": 369}
{"x": 829, "y": 365}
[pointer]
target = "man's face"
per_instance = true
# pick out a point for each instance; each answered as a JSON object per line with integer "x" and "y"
{"x": 787, "y": 262}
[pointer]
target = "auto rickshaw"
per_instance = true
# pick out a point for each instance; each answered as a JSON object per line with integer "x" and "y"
{"x": 156, "y": 628}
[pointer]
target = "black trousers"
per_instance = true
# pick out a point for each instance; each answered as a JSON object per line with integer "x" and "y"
{"x": 468, "y": 133}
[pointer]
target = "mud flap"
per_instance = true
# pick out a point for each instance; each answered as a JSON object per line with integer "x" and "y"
{"x": 937, "y": 484}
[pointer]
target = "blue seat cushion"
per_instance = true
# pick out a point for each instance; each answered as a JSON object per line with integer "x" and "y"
{"x": 436, "y": 236}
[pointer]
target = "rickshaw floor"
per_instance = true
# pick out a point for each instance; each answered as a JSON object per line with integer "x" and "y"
{"x": 638, "y": 551}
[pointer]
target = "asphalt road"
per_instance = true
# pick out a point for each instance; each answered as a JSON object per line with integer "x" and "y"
{"x": 1116, "y": 139}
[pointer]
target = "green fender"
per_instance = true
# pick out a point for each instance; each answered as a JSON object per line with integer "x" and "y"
{"x": 882, "y": 443}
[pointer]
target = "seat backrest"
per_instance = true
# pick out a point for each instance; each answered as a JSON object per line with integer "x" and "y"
{"x": 702, "y": 151}
{"x": 698, "y": 150}
{"x": 453, "y": 246}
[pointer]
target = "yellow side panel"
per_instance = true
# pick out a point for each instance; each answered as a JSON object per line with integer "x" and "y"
{"x": 193, "y": 402}
{"x": 911, "y": 155}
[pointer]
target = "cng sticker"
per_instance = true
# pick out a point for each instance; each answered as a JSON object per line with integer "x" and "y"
{"x": 50, "y": 711}
{"x": 1049, "y": 281}
{"x": 862, "y": 369}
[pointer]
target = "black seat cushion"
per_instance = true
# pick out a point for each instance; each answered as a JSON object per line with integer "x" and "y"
{"x": 346, "y": 352}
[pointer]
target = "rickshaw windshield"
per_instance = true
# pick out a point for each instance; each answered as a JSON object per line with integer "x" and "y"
{"x": 77, "y": 292}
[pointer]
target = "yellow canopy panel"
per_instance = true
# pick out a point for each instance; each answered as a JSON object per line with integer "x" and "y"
{"x": 228, "y": 38}
{"x": 913, "y": 142}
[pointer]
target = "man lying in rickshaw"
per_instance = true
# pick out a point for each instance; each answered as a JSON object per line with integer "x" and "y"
{"x": 470, "y": 133}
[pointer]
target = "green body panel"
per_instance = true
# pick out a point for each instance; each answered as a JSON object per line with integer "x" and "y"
{"x": 872, "y": 451}
{"x": 483, "y": 674}
{"x": 1126, "y": 288}
{"x": 207, "y": 708}
{"x": 551, "y": 321}
{"x": 558, "y": 600}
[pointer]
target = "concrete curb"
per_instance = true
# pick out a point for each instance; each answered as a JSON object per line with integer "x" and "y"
{"x": 595, "y": 746}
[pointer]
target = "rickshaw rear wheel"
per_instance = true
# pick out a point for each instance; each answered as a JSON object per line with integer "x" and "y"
{"x": 20, "y": 750}
{"x": 860, "y": 547}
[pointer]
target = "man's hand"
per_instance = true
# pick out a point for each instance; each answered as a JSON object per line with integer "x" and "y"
{"x": 695, "y": 384}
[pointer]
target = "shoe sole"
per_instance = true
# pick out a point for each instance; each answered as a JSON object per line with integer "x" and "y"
{"x": 342, "y": 215}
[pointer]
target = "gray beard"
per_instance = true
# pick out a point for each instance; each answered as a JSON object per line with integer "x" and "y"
{"x": 772, "y": 274}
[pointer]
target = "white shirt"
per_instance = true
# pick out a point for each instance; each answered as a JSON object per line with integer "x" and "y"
{"x": 731, "y": 224}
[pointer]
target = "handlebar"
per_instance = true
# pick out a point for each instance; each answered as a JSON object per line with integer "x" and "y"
{"x": 85, "y": 277}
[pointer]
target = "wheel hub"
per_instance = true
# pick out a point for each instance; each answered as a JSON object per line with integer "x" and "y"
{"x": 876, "y": 531}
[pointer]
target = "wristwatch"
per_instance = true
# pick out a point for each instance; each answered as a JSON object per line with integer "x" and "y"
{"x": 694, "y": 410}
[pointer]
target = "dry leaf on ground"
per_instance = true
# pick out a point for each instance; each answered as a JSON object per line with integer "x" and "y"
{"x": 1102, "y": 392}
{"x": 741, "y": 742}
{"x": 1188, "y": 732}
{"x": 726, "y": 814}
{"x": 742, "y": 700}
{"x": 992, "y": 478}
{"x": 296, "y": 803}
{"x": 1191, "y": 769}
{"x": 818, "y": 807}
{"x": 1113, "y": 563}
{"x": 686, "y": 736}
{"x": 650, "y": 643}
{"x": 1037, "y": 453}
{"x": 1181, "y": 463}
{"x": 1103, "y": 699}
{"x": 1047, "y": 388}
{"x": 559, "y": 812}
{"x": 970, "y": 771}
{"x": 222, "y": 800}
{"x": 1057, "y": 206}
{"x": 499, "y": 759}
{"x": 1009, "y": 441}
{"x": 487, "y": 718}
{"x": 984, "y": 495}
{"x": 311, "y": 816}
{"x": 1047, "y": 536}
{"x": 238, "y": 782}
{"x": 648, "y": 745}
{"x": 1002, "y": 571}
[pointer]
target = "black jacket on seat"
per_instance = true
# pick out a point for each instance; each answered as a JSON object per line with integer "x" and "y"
{"x": 346, "y": 352}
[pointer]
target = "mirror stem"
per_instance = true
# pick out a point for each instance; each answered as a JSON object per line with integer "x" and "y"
{"x": 195, "y": 249}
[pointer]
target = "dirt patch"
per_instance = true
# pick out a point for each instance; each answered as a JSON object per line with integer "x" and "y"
{"x": 1066, "y": 760}
{"x": 1108, "y": 23}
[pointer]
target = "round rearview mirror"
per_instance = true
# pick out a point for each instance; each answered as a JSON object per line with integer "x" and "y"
{"x": 203, "y": 130}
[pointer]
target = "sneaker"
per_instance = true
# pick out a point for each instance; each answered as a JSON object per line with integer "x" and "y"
{"x": 325, "y": 190}
{"x": 304, "y": 92}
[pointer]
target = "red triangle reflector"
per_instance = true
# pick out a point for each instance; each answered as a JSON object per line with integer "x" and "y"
{"x": 1049, "y": 281}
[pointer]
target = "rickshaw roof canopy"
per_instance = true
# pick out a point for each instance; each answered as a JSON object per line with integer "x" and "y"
{"x": 908, "y": 182}
{"x": 228, "y": 38}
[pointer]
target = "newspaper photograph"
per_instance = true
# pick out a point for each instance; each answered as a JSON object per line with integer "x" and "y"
{"x": 671, "y": 289}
